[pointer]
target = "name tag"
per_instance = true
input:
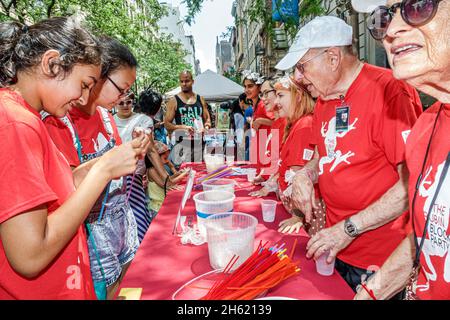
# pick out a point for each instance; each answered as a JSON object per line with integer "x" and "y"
{"x": 342, "y": 118}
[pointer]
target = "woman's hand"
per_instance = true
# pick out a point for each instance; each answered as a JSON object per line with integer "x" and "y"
{"x": 256, "y": 124}
{"x": 290, "y": 225}
{"x": 260, "y": 193}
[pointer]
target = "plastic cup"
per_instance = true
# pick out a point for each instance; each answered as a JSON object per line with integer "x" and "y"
{"x": 269, "y": 208}
{"x": 322, "y": 267}
{"x": 251, "y": 174}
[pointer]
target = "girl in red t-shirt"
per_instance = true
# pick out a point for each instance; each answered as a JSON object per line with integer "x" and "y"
{"x": 43, "y": 251}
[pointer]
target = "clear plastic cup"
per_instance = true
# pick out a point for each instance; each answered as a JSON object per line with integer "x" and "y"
{"x": 322, "y": 267}
{"x": 251, "y": 174}
{"x": 269, "y": 209}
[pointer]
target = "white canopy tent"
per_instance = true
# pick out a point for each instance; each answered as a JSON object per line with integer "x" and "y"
{"x": 212, "y": 87}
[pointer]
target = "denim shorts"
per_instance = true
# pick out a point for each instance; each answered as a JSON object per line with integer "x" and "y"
{"x": 115, "y": 237}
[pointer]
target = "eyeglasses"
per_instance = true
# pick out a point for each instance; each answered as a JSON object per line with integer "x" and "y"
{"x": 265, "y": 94}
{"x": 301, "y": 66}
{"x": 125, "y": 103}
{"x": 123, "y": 92}
{"x": 414, "y": 12}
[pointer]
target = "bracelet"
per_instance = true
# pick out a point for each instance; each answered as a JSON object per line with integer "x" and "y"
{"x": 369, "y": 291}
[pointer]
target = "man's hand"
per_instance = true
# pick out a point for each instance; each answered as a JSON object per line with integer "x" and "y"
{"x": 303, "y": 197}
{"x": 334, "y": 239}
{"x": 189, "y": 129}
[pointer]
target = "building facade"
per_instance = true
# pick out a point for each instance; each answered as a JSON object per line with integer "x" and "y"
{"x": 255, "y": 49}
{"x": 224, "y": 56}
{"x": 172, "y": 24}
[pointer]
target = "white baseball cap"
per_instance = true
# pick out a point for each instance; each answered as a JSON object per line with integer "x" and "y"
{"x": 367, "y": 6}
{"x": 321, "y": 32}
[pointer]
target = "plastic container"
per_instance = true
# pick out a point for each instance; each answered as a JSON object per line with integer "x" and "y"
{"x": 322, "y": 267}
{"x": 214, "y": 161}
{"x": 269, "y": 209}
{"x": 211, "y": 202}
{"x": 220, "y": 184}
{"x": 230, "y": 234}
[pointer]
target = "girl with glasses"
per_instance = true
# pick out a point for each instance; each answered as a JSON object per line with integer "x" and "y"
{"x": 50, "y": 66}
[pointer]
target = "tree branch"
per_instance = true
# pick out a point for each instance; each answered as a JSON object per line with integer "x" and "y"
{"x": 50, "y": 8}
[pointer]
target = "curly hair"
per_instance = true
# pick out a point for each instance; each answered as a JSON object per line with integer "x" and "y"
{"x": 22, "y": 47}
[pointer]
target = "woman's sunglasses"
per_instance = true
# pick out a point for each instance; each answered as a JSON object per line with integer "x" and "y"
{"x": 414, "y": 12}
{"x": 124, "y": 103}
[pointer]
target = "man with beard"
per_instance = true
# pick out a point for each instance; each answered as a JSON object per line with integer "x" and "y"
{"x": 192, "y": 119}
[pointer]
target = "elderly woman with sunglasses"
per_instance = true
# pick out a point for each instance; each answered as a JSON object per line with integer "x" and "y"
{"x": 415, "y": 34}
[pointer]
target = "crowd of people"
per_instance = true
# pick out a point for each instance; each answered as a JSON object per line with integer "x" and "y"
{"x": 346, "y": 146}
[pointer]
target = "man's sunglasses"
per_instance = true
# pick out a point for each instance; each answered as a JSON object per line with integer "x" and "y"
{"x": 414, "y": 12}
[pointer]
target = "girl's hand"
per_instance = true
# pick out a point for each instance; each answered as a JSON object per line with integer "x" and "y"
{"x": 122, "y": 160}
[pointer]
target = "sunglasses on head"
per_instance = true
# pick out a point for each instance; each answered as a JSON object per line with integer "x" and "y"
{"x": 414, "y": 12}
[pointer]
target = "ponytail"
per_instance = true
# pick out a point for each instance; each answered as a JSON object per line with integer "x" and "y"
{"x": 22, "y": 47}
{"x": 10, "y": 34}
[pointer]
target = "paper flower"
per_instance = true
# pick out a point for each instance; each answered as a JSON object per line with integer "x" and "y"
{"x": 254, "y": 76}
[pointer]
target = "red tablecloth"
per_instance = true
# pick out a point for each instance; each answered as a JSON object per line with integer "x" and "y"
{"x": 162, "y": 264}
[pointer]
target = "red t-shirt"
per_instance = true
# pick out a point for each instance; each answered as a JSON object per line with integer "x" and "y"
{"x": 93, "y": 133}
{"x": 61, "y": 135}
{"x": 434, "y": 277}
{"x": 33, "y": 173}
{"x": 258, "y": 143}
{"x": 297, "y": 149}
{"x": 358, "y": 166}
{"x": 273, "y": 149}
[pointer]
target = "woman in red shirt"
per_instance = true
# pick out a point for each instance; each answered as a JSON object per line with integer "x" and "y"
{"x": 268, "y": 97}
{"x": 49, "y": 259}
{"x": 261, "y": 123}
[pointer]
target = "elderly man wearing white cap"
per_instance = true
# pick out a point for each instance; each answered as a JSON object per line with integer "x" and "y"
{"x": 361, "y": 121}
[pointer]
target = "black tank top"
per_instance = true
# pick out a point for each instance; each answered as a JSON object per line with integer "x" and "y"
{"x": 185, "y": 114}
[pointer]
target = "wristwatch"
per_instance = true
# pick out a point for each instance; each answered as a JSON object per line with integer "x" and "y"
{"x": 350, "y": 228}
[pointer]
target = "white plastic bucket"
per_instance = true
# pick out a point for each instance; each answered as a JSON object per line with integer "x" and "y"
{"x": 219, "y": 185}
{"x": 211, "y": 202}
{"x": 230, "y": 234}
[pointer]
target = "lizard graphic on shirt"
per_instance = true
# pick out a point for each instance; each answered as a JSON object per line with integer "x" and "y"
{"x": 334, "y": 156}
